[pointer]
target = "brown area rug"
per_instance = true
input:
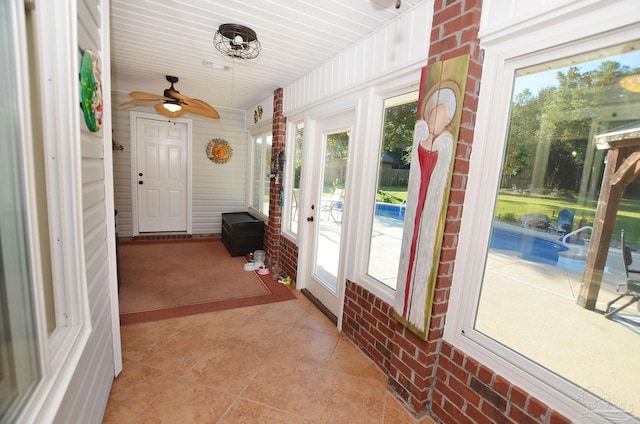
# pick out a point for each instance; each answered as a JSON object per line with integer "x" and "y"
{"x": 168, "y": 279}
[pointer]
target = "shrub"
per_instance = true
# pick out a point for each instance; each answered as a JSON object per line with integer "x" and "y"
{"x": 385, "y": 197}
{"x": 508, "y": 217}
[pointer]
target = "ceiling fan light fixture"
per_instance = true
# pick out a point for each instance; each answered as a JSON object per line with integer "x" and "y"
{"x": 237, "y": 41}
{"x": 171, "y": 106}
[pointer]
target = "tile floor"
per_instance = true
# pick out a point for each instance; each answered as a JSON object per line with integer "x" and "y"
{"x": 279, "y": 363}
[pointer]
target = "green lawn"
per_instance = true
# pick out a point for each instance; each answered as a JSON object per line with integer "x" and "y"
{"x": 392, "y": 194}
{"x": 517, "y": 204}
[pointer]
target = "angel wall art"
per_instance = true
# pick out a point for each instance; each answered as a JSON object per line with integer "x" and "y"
{"x": 442, "y": 87}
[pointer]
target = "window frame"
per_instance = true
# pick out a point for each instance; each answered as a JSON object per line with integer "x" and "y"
{"x": 290, "y": 146}
{"x": 56, "y": 64}
{"x": 263, "y": 131}
{"x": 403, "y": 83}
{"x": 503, "y": 56}
{"x": 382, "y": 98}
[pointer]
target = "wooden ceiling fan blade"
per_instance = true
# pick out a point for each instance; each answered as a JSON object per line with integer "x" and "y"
{"x": 135, "y": 102}
{"x": 208, "y": 113}
{"x": 177, "y": 95}
{"x": 202, "y": 103}
{"x": 160, "y": 109}
{"x": 146, "y": 96}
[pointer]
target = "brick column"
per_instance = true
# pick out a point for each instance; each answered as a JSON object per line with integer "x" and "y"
{"x": 414, "y": 363}
{"x": 273, "y": 228}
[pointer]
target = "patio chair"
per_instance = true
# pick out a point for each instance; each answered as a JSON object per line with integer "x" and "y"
{"x": 294, "y": 203}
{"x": 564, "y": 223}
{"x": 631, "y": 287}
{"x": 332, "y": 204}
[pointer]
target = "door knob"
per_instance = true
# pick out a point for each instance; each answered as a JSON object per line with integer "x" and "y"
{"x": 140, "y": 182}
{"x": 310, "y": 219}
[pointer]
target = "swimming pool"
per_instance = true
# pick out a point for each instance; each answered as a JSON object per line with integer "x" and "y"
{"x": 534, "y": 249}
{"x": 390, "y": 210}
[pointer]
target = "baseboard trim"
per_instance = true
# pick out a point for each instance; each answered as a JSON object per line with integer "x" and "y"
{"x": 319, "y": 305}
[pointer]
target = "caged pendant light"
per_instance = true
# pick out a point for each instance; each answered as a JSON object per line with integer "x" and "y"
{"x": 237, "y": 41}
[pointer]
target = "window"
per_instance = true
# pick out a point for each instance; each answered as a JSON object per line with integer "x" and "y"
{"x": 260, "y": 169}
{"x": 533, "y": 308}
{"x": 292, "y": 175}
{"x": 19, "y": 345}
{"x": 391, "y": 190}
{"x": 43, "y": 303}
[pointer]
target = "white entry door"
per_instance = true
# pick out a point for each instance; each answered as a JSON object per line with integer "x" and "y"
{"x": 162, "y": 157}
{"x": 324, "y": 273}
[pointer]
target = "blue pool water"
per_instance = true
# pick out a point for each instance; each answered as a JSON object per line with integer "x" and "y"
{"x": 390, "y": 210}
{"x": 532, "y": 248}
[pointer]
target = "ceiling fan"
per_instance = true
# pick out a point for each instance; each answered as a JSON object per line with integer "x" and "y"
{"x": 172, "y": 103}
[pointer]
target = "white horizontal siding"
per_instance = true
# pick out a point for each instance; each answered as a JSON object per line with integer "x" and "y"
{"x": 402, "y": 42}
{"x": 216, "y": 188}
{"x": 86, "y": 396}
{"x": 89, "y": 389}
{"x": 252, "y": 121}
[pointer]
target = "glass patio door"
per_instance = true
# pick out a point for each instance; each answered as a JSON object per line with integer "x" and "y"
{"x": 331, "y": 147}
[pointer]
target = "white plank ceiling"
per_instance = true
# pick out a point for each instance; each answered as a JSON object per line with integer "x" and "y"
{"x": 154, "y": 38}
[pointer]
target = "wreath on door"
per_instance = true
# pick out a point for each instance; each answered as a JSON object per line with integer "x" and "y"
{"x": 219, "y": 150}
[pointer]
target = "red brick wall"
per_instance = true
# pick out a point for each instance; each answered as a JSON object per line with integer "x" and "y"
{"x": 467, "y": 391}
{"x": 408, "y": 360}
{"x": 432, "y": 376}
{"x": 279, "y": 250}
{"x": 289, "y": 257}
{"x": 274, "y": 224}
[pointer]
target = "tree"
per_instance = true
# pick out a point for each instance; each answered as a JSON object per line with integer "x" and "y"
{"x": 548, "y": 132}
{"x": 399, "y": 122}
{"x": 337, "y": 145}
{"x": 523, "y": 129}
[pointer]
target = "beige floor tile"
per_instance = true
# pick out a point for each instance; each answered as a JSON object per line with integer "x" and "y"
{"x": 260, "y": 335}
{"x": 346, "y": 399}
{"x": 227, "y": 367}
{"x": 314, "y": 319}
{"x": 245, "y": 412}
{"x": 215, "y": 325}
{"x": 279, "y": 363}
{"x": 139, "y": 338}
{"x": 285, "y": 385}
{"x": 248, "y": 311}
{"x": 395, "y": 413}
{"x": 287, "y": 313}
{"x": 187, "y": 402}
{"x": 178, "y": 353}
{"x": 133, "y": 390}
{"x": 302, "y": 344}
{"x": 348, "y": 359}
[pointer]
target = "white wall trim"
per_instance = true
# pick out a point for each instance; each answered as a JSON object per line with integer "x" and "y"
{"x": 109, "y": 189}
{"x": 368, "y": 161}
{"x": 58, "y": 63}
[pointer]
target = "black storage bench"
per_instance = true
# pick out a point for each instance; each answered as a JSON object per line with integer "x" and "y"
{"x": 242, "y": 233}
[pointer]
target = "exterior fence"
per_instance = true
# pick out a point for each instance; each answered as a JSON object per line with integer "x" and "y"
{"x": 388, "y": 177}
